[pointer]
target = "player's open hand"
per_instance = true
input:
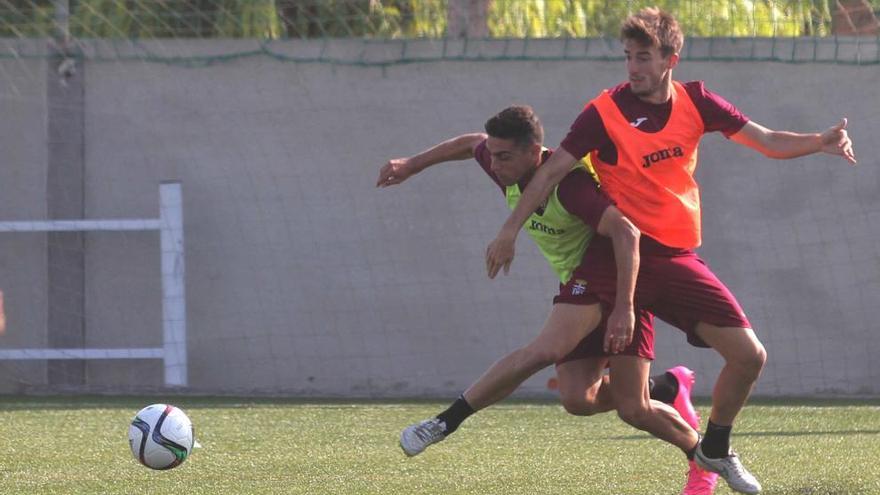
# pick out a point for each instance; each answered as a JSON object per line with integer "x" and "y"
{"x": 499, "y": 254}
{"x": 836, "y": 141}
{"x": 394, "y": 172}
{"x": 619, "y": 329}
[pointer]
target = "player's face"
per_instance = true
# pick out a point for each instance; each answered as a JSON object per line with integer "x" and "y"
{"x": 511, "y": 161}
{"x": 648, "y": 70}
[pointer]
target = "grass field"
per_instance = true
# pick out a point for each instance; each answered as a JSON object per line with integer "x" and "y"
{"x": 78, "y": 445}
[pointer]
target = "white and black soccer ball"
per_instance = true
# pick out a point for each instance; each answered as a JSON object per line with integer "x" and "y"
{"x": 161, "y": 436}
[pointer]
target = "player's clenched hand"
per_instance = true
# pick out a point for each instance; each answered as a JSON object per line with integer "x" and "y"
{"x": 836, "y": 141}
{"x": 619, "y": 329}
{"x": 499, "y": 254}
{"x": 394, "y": 172}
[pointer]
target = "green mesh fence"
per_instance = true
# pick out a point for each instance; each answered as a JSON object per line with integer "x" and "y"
{"x": 382, "y": 32}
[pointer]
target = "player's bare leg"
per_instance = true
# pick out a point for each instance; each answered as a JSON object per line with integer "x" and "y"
{"x": 629, "y": 386}
{"x": 584, "y": 389}
{"x": 744, "y": 357}
{"x": 566, "y": 326}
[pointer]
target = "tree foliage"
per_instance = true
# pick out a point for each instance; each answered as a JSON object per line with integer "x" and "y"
{"x": 272, "y": 19}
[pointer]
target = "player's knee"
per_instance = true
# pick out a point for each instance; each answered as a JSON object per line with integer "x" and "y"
{"x": 634, "y": 413}
{"x": 751, "y": 363}
{"x": 579, "y": 405}
{"x": 758, "y": 359}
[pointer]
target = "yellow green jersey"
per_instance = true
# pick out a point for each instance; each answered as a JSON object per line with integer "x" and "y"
{"x": 562, "y": 227}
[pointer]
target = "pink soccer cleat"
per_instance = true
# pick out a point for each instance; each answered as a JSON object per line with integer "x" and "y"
{"x": 682, "y": 402}
{"x": 699, "y": 481}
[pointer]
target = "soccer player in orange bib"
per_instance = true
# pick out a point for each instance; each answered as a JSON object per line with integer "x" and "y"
{"x": 642, "y": 137}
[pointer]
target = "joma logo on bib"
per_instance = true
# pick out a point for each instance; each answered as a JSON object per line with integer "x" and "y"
{"x": 650, "y": 159}
{"x": 545, "y": 229}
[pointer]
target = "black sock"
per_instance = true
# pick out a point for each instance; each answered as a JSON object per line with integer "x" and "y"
{"x": 716, "y": 442}
{"x": 663, "y": 387}
{"x": 457, "y": 412}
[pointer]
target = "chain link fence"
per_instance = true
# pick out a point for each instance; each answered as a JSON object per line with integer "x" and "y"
{"x": 276, "y": 19}
{"x": 382, "y": 32}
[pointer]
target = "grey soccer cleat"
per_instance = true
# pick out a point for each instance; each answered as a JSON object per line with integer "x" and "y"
{"x": 416, "y": 438}
{"x": 731, "y": 469}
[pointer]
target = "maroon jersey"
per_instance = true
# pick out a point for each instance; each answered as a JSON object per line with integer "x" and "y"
{"x": 588, "y": 132}
{"x": 577, "y": 192}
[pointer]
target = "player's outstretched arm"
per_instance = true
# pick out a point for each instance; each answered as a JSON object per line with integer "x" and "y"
{"x": 782, "y": 144}
{"x": 398, "y": 170}
{"x": 625, "y": 238}
{"x": 499, "y": 254}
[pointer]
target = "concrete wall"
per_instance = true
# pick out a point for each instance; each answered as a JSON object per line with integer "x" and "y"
{"x": 304, "y": 279}
{"x": 23, "y": 257}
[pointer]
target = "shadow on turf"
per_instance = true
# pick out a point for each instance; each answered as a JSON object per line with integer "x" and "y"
{"x": 769, "y": 434}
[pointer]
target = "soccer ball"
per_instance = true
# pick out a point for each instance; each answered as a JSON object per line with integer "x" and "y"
{"x": 161, "y": 436}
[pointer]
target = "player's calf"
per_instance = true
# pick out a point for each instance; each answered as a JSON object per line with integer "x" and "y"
{"x": 634, "y": 413}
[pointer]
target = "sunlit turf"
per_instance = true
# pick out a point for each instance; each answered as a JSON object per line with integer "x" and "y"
{"x": 78, "y": 445}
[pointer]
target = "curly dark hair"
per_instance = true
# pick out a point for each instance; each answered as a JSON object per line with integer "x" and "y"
{"x": 519, "y": 123}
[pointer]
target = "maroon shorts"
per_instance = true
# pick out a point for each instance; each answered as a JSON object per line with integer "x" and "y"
{"x": 592, "y": 345}
{"x": 674, "y": 284}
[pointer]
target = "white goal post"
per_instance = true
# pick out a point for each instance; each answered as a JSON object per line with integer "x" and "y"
{"x": 170, "y": 227}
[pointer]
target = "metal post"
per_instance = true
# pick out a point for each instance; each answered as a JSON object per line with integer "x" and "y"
{"x": 62, "y": 21}
{"x": 173, "y": 284}
{"x": 170, "y": 227}
{"x": 65, "y": 199}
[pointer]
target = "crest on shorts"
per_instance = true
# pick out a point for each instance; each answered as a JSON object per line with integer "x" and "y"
{"x": 579, "y": 287}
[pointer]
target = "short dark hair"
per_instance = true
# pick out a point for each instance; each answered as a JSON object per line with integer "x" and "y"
{"x": 519, "y": 123}
{"x": 654, "y": 27}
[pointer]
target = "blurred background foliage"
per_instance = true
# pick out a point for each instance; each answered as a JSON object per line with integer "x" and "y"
{"x": 276, "y": 19}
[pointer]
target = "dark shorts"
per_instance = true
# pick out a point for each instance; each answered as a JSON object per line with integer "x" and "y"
{"x": 591, "y": 346}
{"x": 674, "y": 284}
